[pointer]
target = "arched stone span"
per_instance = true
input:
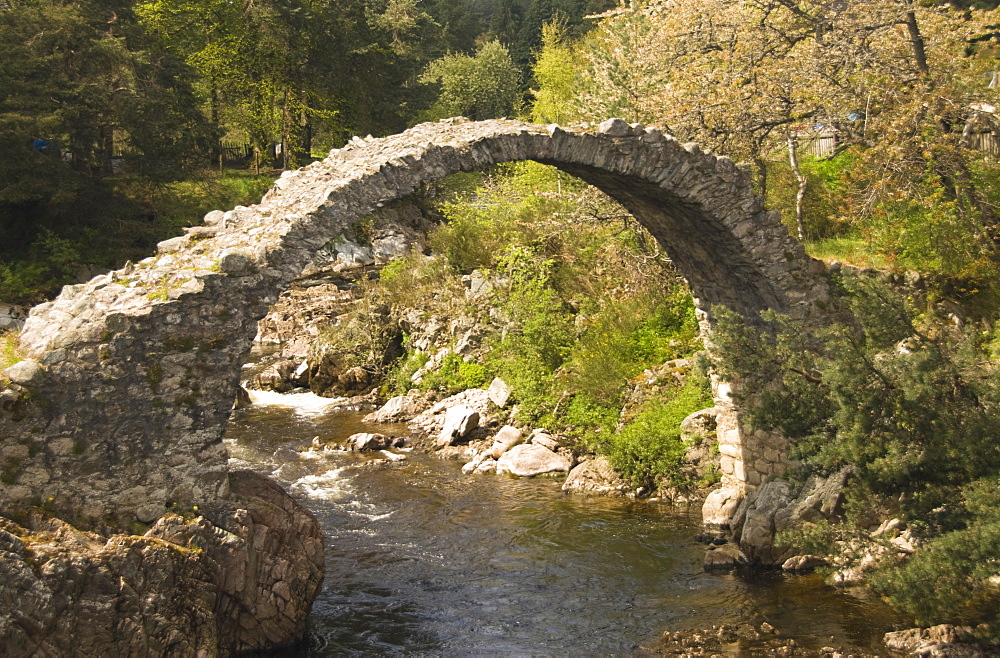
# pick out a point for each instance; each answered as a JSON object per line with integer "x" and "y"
{"x": 128, "y": 380}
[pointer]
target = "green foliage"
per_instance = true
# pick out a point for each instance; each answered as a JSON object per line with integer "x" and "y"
{"x": 627, "y": 335}
{"x": 557, "y": 73}
{"x": 399, "y": 379}
{"x": 649, "y": 449}
{"x": 364, "y": 337}
{"x": 947, "y": 580}
{"x": 824, "y": 200}
{"x": 539, "y": 331}
{"x": 9, "y": 351}
{"x": 484, "y": 86}
{"x": 810, "y": 538}
{"x": 456, "y": 375}
{"x": 105, "y": 224}
{"x": 913, "y": 403}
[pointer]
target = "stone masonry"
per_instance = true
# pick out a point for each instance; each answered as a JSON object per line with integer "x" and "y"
{"x": 116, "y": 412}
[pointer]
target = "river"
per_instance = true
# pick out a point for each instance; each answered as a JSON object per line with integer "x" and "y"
{"x": 423, "y": 559}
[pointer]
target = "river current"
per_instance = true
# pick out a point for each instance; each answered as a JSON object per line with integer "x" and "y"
{"x": 422, "y": 559}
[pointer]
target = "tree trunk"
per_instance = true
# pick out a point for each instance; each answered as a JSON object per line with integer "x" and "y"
{"x": 917, "y": 42}
{"x": 793, "y": 160}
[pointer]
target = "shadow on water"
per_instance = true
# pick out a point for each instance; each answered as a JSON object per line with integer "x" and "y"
{"x": 422, "y": 559}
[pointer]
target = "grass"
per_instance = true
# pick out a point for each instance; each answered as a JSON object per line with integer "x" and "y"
{"x": 8, "y": 352}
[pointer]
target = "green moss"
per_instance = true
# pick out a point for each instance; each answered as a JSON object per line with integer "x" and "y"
{"x": 79, "y": 446}
{"x": 179, "y": 343}
{"x": 154, "y": 375}
{"x": 10, "y": 471}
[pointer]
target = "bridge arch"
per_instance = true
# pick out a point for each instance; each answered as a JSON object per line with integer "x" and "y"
{"x": 118, "y": 409}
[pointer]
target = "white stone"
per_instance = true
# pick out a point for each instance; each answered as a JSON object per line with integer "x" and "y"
{"x": 508, "y": 437}
{"x": 458, "y": 422}
{"x": 499, "y": 392}
{"x": 528, "y": 460}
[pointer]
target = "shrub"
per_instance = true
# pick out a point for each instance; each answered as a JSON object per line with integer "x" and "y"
{"x": 456, "y": 375}
{"x": 649, "y": 449}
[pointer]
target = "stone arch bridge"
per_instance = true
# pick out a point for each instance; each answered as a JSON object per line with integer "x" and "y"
{"x": 118, "y": 408}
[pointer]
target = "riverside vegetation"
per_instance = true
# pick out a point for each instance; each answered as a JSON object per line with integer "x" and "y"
{"x": 577, "y": 299}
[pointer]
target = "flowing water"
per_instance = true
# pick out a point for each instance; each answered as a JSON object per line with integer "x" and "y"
{"x": 422, "y": 559}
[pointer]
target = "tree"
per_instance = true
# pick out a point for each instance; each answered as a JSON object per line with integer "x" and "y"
{"x": 484, "y": 86}
{"x": 556, "y": 72}
{"x": 894, "y": 81}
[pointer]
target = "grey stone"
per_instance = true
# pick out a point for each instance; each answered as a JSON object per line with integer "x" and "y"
{"x": 399, "y": 408}
{"x": 726, "y": 556}
{"x": 239, "y": 583}
{"x": 508, "y": 437}
{"x": 529, "y": 460}
{"x": 615, "y": 128}
{"x": 595, "y": 476}
{"x": 941, "y": 640}
{"x": 804, "y": 563}
{"x": 699, "y": 424}
{"x": 368, "y": 441}
{"x": 134, "y": 385}
{"x": 458, "y": 422}
{"x": 214, "y": 218}
{"x": 543, "y": 438}
{"x": 236, "y": 262}
{"x": 172, "y": 245}
{"x": 499, "y": 392}
{"x": 27, "y": 373}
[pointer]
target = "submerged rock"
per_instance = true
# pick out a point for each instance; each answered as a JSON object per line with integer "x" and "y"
{"x": 726, "y": 556}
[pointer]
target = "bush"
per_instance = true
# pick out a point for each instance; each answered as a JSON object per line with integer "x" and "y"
{"x": 948, "y": 579}
{"x": 456, "y": 375}
{"x": 649, "y": 449}
{"x": 913, "y": 403}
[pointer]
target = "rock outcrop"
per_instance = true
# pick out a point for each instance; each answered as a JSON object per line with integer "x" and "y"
{"x": 778, "y": 505}
{"x": 239, "y": 575}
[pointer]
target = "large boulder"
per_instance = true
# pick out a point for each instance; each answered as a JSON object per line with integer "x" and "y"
{"x": 368, "y": 441}
{"x": 397, "y": 409}
{"x": 432, "y": 420}
{"x": 458, "y": 422}
{"x": 543, "y": 438}
{"x": 776, "y": 506}
{"x": 595, "y": 476}
{"x": 528, "y": 460}
{"x": 754, "y": 521}
{"x": 499, "y": 392}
